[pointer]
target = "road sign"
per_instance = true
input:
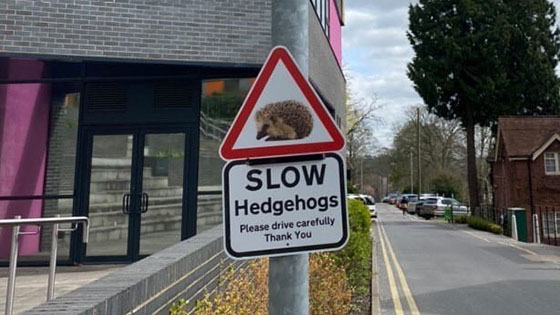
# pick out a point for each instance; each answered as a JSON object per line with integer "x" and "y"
{"x": 283, "y": 207}
{"x": 281, "y": 116}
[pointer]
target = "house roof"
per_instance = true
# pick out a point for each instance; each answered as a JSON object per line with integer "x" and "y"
{"x": 522, "y": 136}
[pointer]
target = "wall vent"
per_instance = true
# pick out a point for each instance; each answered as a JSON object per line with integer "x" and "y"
{"x": 103, "y": 96}
{"x": 173, "y": 94}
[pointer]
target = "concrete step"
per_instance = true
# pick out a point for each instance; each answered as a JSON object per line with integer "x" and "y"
{"x": 102, "y": 173}
{"x": 115, "y": 216}
{"x": 107, "y": 207}
{"x": 100, "y": 233}
{"x": 124, "y": 184}
{"x": 116, "y": 196}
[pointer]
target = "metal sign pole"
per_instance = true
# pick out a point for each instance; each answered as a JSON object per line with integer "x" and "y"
{"x": 288, "y": 280}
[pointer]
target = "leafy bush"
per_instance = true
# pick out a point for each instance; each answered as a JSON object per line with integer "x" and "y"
{"x": 246, "y": 292}
{"x": 356, "y": 256}
{"x": 496, "y": 229}
{"x": 351, "y": 189}
{"x": 460, "y": 219}
{"x": 330, "y": 292}
{"x": 333, "y": 278}
{"x": 479, "y": 223}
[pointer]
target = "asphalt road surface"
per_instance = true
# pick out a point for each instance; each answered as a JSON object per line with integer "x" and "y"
{"x": 427, "y": 267}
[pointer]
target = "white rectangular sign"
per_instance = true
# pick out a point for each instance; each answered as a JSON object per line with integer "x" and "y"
{"x": 289, "y": 206}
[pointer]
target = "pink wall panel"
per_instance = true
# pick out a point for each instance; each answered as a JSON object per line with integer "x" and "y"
{"x": 335, "y": 36}
{"x": 24, "y": 119}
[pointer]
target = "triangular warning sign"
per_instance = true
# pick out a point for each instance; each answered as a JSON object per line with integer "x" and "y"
{"x": 281, "y": 116}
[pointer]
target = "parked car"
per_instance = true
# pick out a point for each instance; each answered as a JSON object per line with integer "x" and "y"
{"x": 367, "y": 200}
{"x": 393, "y": 198}
{"x": 436, "y": 206}
{"x": 459, "y": 209}
{"x": 414, "y": 205}
{"x": 429, "y": 206}
{"x": 424, "y": 196}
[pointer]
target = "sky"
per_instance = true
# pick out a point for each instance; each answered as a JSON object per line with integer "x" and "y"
{"x": 375, "y": 55}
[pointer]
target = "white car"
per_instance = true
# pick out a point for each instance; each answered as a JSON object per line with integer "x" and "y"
{"x": 367, "y": 200}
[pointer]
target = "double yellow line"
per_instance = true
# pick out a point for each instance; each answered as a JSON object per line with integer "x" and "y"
{"x": 386, "y": 247}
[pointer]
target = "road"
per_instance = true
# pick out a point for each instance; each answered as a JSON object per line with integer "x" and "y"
{"x": 427, "y": 267}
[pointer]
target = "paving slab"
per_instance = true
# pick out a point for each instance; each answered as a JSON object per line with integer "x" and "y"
{"x": 31, "y": 283}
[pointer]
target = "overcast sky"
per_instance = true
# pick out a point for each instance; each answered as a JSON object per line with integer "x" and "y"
{"x": 375, "y": 54}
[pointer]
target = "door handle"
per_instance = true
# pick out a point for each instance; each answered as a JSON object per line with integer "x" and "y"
{"x": 126, "y": 204}
{"x": 145, "y": 203}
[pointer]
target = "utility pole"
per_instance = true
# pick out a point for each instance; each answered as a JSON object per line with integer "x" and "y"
{"x": 362, "y": 175}
{"x": 411, "y": 173}
{"x": 288, "y": 278}
{"x": 418, "y": 151}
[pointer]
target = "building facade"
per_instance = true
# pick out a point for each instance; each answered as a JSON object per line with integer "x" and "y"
{"x": 115, "y": 109}
{"x": 526, "y": 171}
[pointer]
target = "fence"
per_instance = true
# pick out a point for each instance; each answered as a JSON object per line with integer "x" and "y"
{"x": 495, "y": 215}
{"x": 549, "y": 224}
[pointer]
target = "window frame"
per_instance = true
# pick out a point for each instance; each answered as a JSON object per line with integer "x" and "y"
{"x": 322, "y": 10}
{"x": 555, "y": 156}
{"x": 551, "y": 222}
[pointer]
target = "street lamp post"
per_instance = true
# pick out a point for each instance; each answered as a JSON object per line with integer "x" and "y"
{"x": 411, "y": 173}
{"x": 362, "y": 175}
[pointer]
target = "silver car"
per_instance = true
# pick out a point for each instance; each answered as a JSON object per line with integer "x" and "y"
{"x": 436, "y": 206}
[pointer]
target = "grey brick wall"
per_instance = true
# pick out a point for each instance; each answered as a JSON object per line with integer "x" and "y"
{"x": 206, "y": 31}
{"x": 234, "y": 31}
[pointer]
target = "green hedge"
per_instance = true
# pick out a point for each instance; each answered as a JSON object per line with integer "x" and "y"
{"x": 479, "y": 223}
{"x": 460, "y": 219}
{"x": 356, "y": 256}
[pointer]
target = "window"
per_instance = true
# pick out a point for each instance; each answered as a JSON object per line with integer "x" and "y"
{"x": 322, "y": 9}
{"x": 42, "y": 146}
{"x": 220, "y": 102}
{"x": 551, "y": 163}
{"x": 551, "y": 224}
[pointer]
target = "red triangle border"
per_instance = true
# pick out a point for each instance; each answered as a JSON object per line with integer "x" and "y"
{"x": 280, "y": 53}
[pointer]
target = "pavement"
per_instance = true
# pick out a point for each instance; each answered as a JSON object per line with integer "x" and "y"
{"x": 427, "y": 267}
{"x": 31, "y": 283}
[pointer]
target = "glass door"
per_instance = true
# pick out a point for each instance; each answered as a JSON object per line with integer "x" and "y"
{"x": 110, "y": 199}
{"x": 135, "y": 192}
{"x": 162, "y": 193}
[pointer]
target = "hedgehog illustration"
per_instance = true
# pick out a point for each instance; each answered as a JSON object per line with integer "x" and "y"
{"x": 287, "y": 120}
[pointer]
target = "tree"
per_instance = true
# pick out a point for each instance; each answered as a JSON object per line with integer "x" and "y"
{"x": 360, "y": 141}
{"x": 478, "y": 59}
{"x": 441, "y": 142}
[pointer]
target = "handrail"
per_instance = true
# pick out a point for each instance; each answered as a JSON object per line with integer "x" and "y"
{"x": 15, "y": 224}
{"x": 54, "y": 220}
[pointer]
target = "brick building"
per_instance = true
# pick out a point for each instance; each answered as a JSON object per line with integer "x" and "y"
{"x": 106, "y": 104}
{"x": 526, "y": 168}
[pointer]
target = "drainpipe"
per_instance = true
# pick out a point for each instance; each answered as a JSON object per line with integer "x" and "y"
{"x": 531, "y": 195}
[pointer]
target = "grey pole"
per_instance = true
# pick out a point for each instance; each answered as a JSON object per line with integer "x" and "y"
{"x": 52, "y": 265}
{"x": 418, "y": 150}
{"x": 288, "y": 279}
{"x": 362, "y": 175}
{"x": 10, "y": 294}
{"x": 411, "y": 173}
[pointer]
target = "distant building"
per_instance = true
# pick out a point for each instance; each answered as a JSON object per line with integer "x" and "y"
{"x": 115, "y": 110}
{"x": 526, "y": 168}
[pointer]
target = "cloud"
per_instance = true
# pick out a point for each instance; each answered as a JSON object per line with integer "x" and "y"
{"x": 376, "y": 53}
